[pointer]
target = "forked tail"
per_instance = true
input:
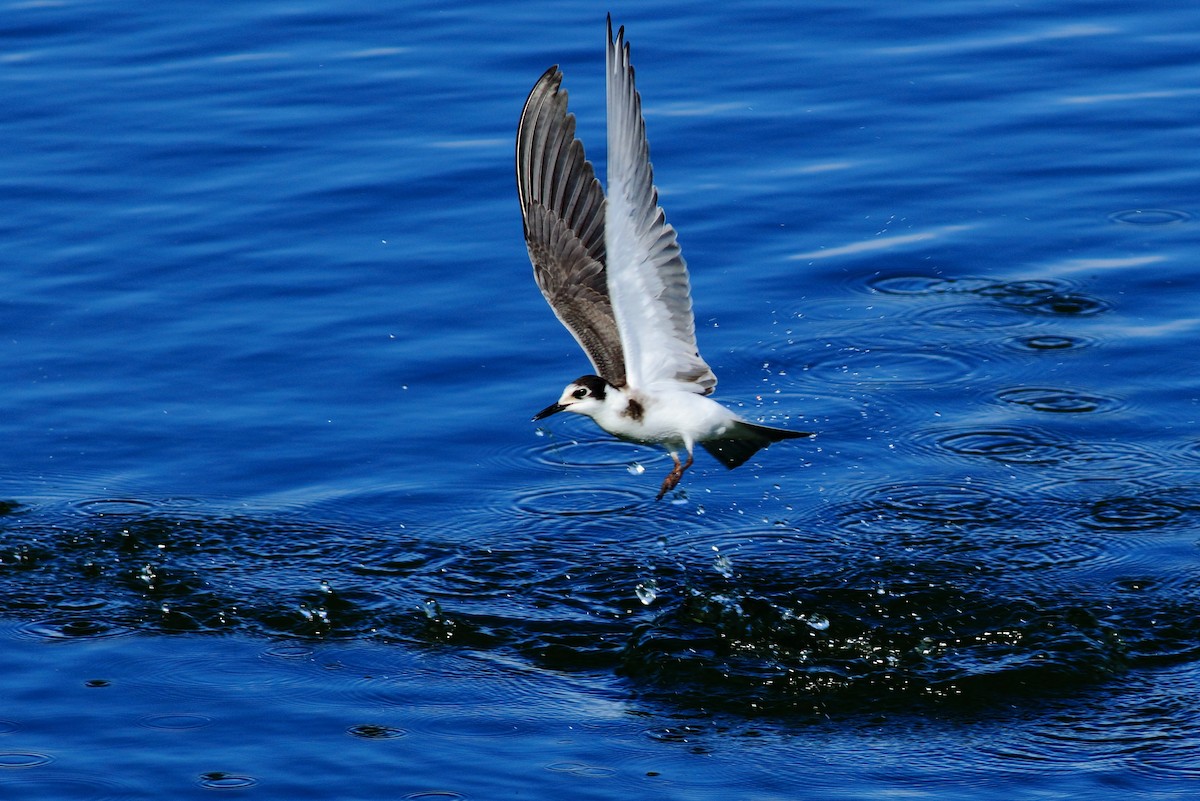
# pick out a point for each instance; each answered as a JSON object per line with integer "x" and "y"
{"x": 746, "y": 439}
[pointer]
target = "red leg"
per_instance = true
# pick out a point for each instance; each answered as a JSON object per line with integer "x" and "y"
{"x": 672, "y": 479}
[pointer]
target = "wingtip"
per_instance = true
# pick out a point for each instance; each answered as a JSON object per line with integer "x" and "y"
{"x": 615, "y": 41}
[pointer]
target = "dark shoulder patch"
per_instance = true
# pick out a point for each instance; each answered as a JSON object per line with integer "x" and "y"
{"x": 634, "y": 410}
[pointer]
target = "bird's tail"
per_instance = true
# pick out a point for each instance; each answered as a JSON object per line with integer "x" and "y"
{"x": 744, "y": 440}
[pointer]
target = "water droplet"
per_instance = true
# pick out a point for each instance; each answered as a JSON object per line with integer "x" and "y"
{"x": 723, "y": 565}
{"x": 636, "y": 468}
{"x": 647, "y": 591}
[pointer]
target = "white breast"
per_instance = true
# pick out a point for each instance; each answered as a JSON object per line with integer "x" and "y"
{"x": 671, "y": 418}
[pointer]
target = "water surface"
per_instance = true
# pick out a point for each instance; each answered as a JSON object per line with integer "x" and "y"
{"x": 274, "y": 519}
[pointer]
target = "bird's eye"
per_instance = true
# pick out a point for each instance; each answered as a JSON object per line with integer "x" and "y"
{"x": 579, "y": 393}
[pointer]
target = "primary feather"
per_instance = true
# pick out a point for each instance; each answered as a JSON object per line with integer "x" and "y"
{"x": 562, "y": 206}
{"x": 647, "y": 276}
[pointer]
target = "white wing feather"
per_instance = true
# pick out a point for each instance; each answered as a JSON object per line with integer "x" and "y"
{"x": 647, "y": 276}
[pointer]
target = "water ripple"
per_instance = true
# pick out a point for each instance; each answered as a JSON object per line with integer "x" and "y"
{"x": 115, "y": 507}
{"x": 219, "y": 780}
{"x": 23, "y": 759}
{"x": 1132, "y": 513}
{"x": 582, "y": 769}
{"x": 972, "y": 316}
{"x": 931, "y": 525}
{"x": 1059, "y": 401}
{"x": 911, "y": 364}
{"x": 577, "y": 502}
{"x": 1109, "y": 458}
{"x": 1071, "y": 304}
{"x": 1046, "y": 297}
{"x": 375, "y": 731}
{"x": 596, "y": 453}
{"x": 929, "y": 285}
{"x": 1049, "y": 342}
{"x": 39, "y": 786}
{"x": 175, "y": 721}
{"x": 1150, "y": 217}
{"x": 935, "y": 502}
{"x": 1009, "y": 445}
{"x": 75, "y": 628}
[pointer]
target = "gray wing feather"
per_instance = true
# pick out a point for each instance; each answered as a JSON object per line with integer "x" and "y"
{"x": 562, "y": 206}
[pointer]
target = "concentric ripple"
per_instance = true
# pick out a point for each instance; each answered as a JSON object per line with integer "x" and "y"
{"x": 972, "y": 316}
{"x": 1050, "y": 297}
{"x": 940, "y": 502}
{"x": 974, "y": 524}
{"x": 1058, "y": 401}
{"x": 1149, "y": 217}
{"x": 596, "y": 453}
{"x": 1132, "y": 513}
{"x": 582, "y": 769}
{"x": 75, "y": 628}
{"x": 1122, "y": 458}
{"x": 1008, "y": 445}
{"x": 1048, "y": 342}
{"x": 891, "y": 364}
{"x": 23, "y": 759}
{"x": 929, "y": 285}
{"x": 375, "y": 731}
{"x": 1072, "y": 304}
{"x": 180, "y": 721}
{"x": 577, "y": 502}
{"x": 219, "y": 780}
{"x": 115, "y": 507}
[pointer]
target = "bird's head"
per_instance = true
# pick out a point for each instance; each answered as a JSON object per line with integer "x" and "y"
{"x": 584, "y": 395}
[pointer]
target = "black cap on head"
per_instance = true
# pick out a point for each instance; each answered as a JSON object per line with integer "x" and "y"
{"x": 596, "y": 386}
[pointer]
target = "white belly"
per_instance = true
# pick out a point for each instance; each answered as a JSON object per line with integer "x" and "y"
{"x": 675, "y": 420}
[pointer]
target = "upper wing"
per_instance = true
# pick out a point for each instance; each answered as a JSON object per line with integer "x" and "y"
{"x": 647, "y": 277}
{"x": 562, "y": 206}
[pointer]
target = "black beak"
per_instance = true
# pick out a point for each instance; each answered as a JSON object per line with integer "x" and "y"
{"x": 553, "y": 408}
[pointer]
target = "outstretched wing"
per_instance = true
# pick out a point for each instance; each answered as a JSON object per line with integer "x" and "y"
{"x": 562, "y": 206}
{"x": 647, "y": 276}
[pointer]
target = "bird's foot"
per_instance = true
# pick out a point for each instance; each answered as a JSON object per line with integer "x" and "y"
{"x": 669, "y": 483}
{"x": 672, "y": 479}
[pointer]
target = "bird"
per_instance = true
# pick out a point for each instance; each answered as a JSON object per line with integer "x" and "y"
{"x": 611, "y": 269}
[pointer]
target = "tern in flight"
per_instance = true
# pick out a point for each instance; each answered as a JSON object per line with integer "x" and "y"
{"x": 611, "y": 269}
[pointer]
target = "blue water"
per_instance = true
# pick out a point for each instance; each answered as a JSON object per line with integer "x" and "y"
{"x": 274, "y": 520}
